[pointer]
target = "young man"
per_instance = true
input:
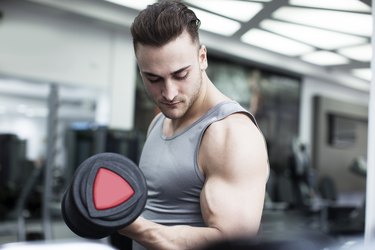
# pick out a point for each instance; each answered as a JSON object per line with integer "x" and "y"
{"x": 205, "y": 159}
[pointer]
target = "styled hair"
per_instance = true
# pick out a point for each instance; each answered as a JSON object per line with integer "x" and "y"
{"x": 163, "y": 22}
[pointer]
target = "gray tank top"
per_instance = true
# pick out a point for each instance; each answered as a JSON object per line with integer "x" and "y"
{"x": 170, "y": 166}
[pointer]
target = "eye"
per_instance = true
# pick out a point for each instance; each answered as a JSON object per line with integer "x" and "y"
{"x": 154, "y": 80}
{"x": 181, "y": 76}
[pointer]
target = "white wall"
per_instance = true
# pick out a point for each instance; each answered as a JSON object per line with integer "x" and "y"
{"x": 44, "y": 44}
{"x": 122, "y": 82}
{"x": 370, "y": 197}
{"x": 310, "y": 88}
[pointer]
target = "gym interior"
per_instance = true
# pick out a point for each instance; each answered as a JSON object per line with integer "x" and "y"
{"x": 70, "y": 88}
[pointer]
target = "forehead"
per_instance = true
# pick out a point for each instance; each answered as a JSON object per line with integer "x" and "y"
{"x": 177, "y": 53}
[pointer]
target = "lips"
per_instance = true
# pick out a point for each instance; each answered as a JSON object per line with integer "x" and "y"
{"x": 170, "y": 104}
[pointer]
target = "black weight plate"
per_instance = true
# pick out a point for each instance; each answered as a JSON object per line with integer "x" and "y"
{"x": 78, "y": 207}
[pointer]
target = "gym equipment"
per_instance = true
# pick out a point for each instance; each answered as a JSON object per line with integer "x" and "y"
{"x": 107, "y": 193}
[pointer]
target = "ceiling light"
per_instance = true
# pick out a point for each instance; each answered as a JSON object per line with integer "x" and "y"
{"x": 30, "y": 113}
{"x": 37, "y": 112}
{"x": 360, "y": 53}
{"x": 353, "y": 23}
{"x": 216, "y": 24}
{"x": 21, "y": 108}
{"x": 350, "y": 5}
{"x": 238, "y": 10}
{"x": 273, "y": 42}
{"x": 2, "y": 110}
{"x": 324, "y": 58}
{"x": 364, "y": 74}
{"x": 138, "y": 4}
{"x": 317, "y": 37}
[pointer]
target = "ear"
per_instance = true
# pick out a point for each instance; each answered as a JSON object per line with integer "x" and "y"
{"x": 203, "y": 57}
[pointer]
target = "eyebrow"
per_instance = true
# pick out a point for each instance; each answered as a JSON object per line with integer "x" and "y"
{"x": 173, "y": 73}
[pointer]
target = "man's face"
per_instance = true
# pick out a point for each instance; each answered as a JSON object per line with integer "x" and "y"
{"x": 172, "y": 74}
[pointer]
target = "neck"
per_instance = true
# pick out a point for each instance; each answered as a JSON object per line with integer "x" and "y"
{"x": 209, "y": 97}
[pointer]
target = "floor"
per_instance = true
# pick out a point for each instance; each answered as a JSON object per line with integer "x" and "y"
{"x": 277, "y": 225}
{"x": 298, "y": 226}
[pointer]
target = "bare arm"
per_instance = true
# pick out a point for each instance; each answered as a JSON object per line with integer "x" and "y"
{"x": 237, "y": 170}
{"x": 234, "y": 162}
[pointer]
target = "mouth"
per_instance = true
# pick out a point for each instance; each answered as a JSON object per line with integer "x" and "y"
{"x": 170, "y": 104}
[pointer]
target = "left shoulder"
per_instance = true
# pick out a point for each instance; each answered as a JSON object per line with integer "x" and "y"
{"x": 233, "y": 140}
{"x": 237, "y": 126}
{"x": 239, "y": 118}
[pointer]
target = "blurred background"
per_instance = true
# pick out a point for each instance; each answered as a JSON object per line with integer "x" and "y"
{"x": 69, "y": 88}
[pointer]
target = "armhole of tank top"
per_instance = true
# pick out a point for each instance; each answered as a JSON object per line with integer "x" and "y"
{"x": 153, "y": 123}
{"x": 197, "y": 169}
{"x": 250, "y": 115}
{"x": 196, "y": 163}
{"x": 252, "y": 118}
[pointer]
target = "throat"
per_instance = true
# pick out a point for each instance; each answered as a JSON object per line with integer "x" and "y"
{"x": 173, "y": 127}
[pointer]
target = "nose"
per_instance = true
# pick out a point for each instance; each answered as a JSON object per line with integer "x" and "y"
{"x": 170, "y": 91}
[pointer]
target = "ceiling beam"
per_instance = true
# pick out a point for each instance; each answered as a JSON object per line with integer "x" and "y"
{"x": 96, "y": 9}
{"x": 265, "y": 13}
{"x": 368, "y": 2}
{"x": 352, "y": 65}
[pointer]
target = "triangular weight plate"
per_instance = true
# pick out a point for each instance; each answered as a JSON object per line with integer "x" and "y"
{"x": 110, "y": 189}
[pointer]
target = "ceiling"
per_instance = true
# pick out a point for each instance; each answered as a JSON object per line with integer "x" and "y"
{"x": 325, "y": 39}
{"x": 334, "y": 34}
{"x": 328, "y": 39}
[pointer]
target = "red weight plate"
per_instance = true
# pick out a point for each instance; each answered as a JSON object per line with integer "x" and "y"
{"x": 110, "y": 189}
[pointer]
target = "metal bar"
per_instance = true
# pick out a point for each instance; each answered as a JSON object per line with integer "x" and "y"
{"x": 21, "y": 202}
{"x": 53, "y": 103}
{"x": 370, "y": 184}
{"x": 100, "y": 139}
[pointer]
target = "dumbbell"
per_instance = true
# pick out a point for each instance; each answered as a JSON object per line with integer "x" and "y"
{"x": 108, "y": 192}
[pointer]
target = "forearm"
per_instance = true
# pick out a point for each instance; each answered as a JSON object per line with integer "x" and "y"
{"x": 155, "y": 236}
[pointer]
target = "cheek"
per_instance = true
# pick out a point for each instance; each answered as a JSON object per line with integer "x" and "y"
{"x": 195, "y": 82}
{"x": 151, "y": 89}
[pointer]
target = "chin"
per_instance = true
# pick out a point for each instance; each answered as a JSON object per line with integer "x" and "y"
{"x": 173, "y": 115}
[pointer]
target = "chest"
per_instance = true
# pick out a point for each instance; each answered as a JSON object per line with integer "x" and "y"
{"x": 170, "y": 166}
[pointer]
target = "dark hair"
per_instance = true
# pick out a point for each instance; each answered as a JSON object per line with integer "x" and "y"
{"x": 162, "y": 22}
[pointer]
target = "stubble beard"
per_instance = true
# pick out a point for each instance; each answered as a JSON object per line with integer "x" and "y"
{"x": 184, "y": 106}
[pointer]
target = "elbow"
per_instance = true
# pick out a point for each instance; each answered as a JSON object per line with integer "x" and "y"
{"x": 239, "y": 230}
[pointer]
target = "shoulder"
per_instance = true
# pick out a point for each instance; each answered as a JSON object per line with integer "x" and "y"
{"x": 238, "y": 126}
{"x": 234, "y": 140}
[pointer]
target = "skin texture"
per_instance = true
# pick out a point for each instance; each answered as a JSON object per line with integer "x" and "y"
{"x": 232, "y": 155}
